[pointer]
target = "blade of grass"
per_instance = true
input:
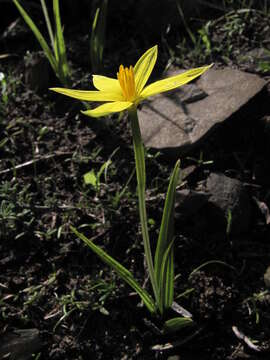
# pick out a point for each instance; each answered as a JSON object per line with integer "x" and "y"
{"x": 97, "y": 40}
{"x": 209, "y": 263}
{"x": 48, "y": 23}
{"x": 164, "y": 265}
{"x": 188, "y": 30}
{"x": 120, "y": 270}
{"x": 141, "y": 179}
{"x": 38, "y": 35}
{"x": 166, "y": 228}
{"x": 166, "y": 286}
{"x": 63, "y": 68}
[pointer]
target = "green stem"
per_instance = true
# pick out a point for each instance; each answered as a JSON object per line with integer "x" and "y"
{"x": 140, "y": 171}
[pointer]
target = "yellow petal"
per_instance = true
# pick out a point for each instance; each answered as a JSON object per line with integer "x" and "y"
{"x": 172, "y": 82}
{"x": 144, "y": 67}
{"x": 105, "y": 83}
{"x": 107, "y": 109}
{"x": 86, "y": 95}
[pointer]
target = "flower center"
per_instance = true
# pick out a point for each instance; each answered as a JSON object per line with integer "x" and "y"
{"x": 127, "y": 82}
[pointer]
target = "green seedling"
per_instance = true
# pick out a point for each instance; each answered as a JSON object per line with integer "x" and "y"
{"x": 56, "y": 52}
{"x": 200, "y": 161}
{"x": 126, "y": 92}
{"x": 94, "y": 179}
{"x": 253, "y": 301}
{"x": 117, "y": 197}
{"x": 205, "y": 37}
{"x": 14, "y": 209}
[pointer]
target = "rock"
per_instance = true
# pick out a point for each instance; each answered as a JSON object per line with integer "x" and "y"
{"x": 257, "y": 59}
{"x": 37, "y": 72}
{"x": 266, "y": 277}
{"x": 175, "y": 122}
{"x": 189, "y": 202}
{"x": 209, "y": 208}
{"x": 17, "y": 30}
{"x": 227, "y": 194}
{"x": 20, "y": 344}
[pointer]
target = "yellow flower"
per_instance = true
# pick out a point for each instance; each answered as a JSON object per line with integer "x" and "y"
{"x": 129, "y": 88}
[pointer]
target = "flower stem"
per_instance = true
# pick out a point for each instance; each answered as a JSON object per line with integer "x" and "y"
{"x": 141, "y": 178}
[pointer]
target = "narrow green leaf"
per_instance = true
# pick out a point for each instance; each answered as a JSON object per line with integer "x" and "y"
{"x": 120, "y": 269}
{"x": 94, "y": 44}
{"x": 56, "y": 51}
{"x": 38, "y": 35}
{"x": 176, "y": 324}
{"x": 166, "y": 229}
{"x": 209, "y": 263}
{"x": 103, "y": 169}
{"x": 141, "y": 179}
{"x": 60, "y": 44}
{"x": 166, "y": 284}
{"x": 48, "y": 23}
{"x": 97, "y": 40}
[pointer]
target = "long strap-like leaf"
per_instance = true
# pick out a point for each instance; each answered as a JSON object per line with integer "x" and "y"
{"x": 141, "y": 179}
{"x": 120, "y": 269}
{"x": 38, "y": 35}
{"x": 63, "y": 68}
{"x": 166, "y": 285}
{"x": 164, "y": 269}
{"x": 97, "y": 40}
{"x": 48, "y": 23}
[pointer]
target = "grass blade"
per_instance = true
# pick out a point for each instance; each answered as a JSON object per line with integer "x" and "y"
{"x": 48, "y": 23}
{"x": 166, "y": 285}
{"x": 97, "y": 40}
{"x": 120, "y": 269}
{"x": 166, "y": 228}
{"x": 63, "y": 69}
{"x": 38, "y": 35}
{"x": 164, "y": 251}
{"x": 141, "y": 179}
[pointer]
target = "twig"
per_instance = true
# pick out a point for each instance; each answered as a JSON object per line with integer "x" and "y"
{"x": 246, "y": 340}
{"x": 33, "y": 161}
{"x": 172, "y": 345}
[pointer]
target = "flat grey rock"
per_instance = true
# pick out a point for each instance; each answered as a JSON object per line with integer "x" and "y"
{"x": 181, "y": 119}
{"x": 189, "y": 202}
{"x": 266, "y": 277}
{"x": 228, "y": 195}
{"x": 20, "y": 344}
{"x": 255, "y": 60}
{"x": 210, "y": 207}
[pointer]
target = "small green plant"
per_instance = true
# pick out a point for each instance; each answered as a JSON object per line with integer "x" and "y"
{"x": 15, "y": 214}
{"x": 253, "y": 303}
{"x": 200, "y": 161}
{"x": 94, "y": 178}
{"x": 56, "y": 55}
{"x": 119, "y": 194}
{"x": 122, "y": 93}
